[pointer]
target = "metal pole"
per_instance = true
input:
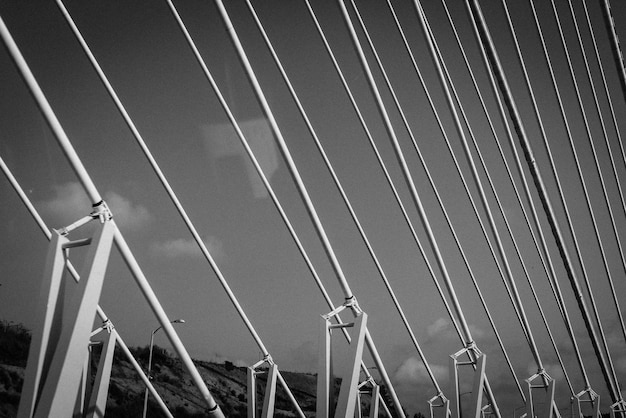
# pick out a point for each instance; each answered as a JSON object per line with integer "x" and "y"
{"x": 145, "y": 398}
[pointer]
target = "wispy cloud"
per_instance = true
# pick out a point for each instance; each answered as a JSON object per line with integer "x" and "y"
{"x": 442, "y": 328}
{"x": 413, "y": 371}
{"x": 70, "y": 203}
{"x": 125, "y": 213}
{"x": 181, "y": 247}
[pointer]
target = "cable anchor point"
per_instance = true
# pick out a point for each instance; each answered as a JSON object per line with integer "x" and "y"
{"x": 99, "y": 211}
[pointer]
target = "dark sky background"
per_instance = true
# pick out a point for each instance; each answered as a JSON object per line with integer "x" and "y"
{"x": 148, "y": 62}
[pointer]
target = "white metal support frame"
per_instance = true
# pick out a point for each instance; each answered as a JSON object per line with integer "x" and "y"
{"x": 59, "y": 347}
{"x": 100, "y": 389}
{"x": 346, "y": 401}
{"x": 586, "y": 396}
{"x": 269, "y": 398}
{"x": 374, "y": 392}
{"x": 439, "y": 406}
{"x": 546, "y": 383}
{"x": 478, "y": 361}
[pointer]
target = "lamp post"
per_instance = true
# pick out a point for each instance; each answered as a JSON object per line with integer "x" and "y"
{"x": 147, "y": 394}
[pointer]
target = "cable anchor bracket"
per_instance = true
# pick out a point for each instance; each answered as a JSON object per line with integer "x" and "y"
{"x": 99, "y": 211}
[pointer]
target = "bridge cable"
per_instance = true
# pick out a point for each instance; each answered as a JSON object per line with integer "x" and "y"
{"x": 384, "y": 169}
{"x": 613, "y": 118}
{"x": 618, "y": 56}
{"x": 304, "y": 195}
{"x": 437, "y": 59}
{"x": 260, "y": 172}
{"x": 597, "y": 166}
{"x": 172, "y": 195}
{"x": 561, "y": 194}
{"x": 491, "y": 60}
{"x": 344, "y": 197}
{"x": 502, "y": 213}
{"x": 428, "y": 174}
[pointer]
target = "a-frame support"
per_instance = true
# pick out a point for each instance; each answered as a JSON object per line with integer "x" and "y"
{"x": 66, "y": 312}
{"x": 478, "y": 362}
{"x": 587, "y": 396}
{"x": 439, "y": 406}
{"x": 546, "y": 383}
{"x": 346, "y": 401}
{"x": 270, "y": 388}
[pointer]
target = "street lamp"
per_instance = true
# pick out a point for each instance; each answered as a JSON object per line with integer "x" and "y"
{"x": 145, "y": 398}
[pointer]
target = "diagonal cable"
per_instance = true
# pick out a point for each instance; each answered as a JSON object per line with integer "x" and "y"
{"x": 345, "y": 198}
{"x": 492, "y": 60}
{"x": 429, "y": 175}
{"x": 304, "y": 195}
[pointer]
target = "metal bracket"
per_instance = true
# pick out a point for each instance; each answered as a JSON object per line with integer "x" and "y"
{"x": 99, "y": 211}
{"x": 350, "y": 302}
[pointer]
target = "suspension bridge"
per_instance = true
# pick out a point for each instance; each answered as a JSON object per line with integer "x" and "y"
{"x": 425, "y": 197}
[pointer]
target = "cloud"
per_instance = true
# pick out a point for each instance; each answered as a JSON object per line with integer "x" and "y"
{"x": 440, "y": 326}
{"x": 413, "y": 371}
{"x": 189, "y": 248}
{"x": 71, "y": 203}
{"x": 126, "y": 214}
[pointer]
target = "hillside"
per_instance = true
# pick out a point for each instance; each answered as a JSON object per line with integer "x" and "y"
{"x": 226, "y": 382}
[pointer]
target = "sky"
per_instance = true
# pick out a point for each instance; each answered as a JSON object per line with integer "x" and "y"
{"x": 152, "y": 69}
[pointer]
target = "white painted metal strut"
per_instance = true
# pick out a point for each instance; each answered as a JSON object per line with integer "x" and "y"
{"x": 96, "y": 198}
{"x": 484, "y": 39}
{"x": 305, "y": 197}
